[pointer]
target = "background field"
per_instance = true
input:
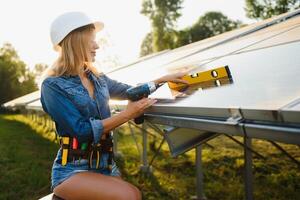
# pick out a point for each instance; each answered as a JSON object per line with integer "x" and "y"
{"x": 27, "y": 151}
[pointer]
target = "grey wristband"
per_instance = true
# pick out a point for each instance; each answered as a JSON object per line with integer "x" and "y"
{"x": 152, "y": 86}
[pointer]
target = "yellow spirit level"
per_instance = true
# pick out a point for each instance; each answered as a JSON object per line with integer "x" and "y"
{"x": 202, "y": 77}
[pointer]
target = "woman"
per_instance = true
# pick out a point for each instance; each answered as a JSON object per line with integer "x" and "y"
{"x": 76, "y": 97}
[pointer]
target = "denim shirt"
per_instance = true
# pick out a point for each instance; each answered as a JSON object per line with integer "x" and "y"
{"x": 74, "y": 112}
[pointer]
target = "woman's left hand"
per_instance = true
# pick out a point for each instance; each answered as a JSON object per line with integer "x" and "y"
{"x": 175, "y": 78}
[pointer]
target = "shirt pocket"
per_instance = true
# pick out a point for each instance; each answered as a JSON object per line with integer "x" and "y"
{"x": 79, "y": 97}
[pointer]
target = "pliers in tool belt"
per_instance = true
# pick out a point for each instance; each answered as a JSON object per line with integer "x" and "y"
{"x": 97, "y": 148}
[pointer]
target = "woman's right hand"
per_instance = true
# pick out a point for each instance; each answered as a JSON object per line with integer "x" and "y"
{"x": 137, "y": 108}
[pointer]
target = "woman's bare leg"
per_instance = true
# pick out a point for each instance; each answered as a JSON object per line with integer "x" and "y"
{"x": 89, "y": 185}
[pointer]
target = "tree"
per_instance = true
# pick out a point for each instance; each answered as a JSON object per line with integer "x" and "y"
{"x": 146, "y": 47}
{"x": 208, "y": 25}
{"x": 15, "y": 79}
{"x": 216, "y": 23}
{"x": 163, "y": 14}
{"x": 182, "y": 37}
{"x": 263, "y": 9}
{"x": 39, "y": 69}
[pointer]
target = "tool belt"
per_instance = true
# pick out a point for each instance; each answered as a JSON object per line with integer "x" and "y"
{"x": 72, "y": 150}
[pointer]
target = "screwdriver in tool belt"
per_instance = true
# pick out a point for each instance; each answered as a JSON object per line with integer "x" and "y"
{"x": 65, "y": 141}
{"x": 83, "y": 147}
{"x": 74, "y": 146}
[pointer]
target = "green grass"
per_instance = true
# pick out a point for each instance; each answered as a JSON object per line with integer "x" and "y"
{"x": 27, "y": 154}
{"x": 25, "y": 160}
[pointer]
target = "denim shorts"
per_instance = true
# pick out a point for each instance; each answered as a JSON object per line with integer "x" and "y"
{"x": 61, "y": 173}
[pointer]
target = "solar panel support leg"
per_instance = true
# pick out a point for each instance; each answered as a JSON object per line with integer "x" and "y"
{"x": 199, "y": 173}
{"x": 145, "y": 168}
{"x": 248, "y": 169}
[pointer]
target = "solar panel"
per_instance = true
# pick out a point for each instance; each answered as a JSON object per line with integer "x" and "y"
{"x": 264, "y": 81}
{"x": 157, "y": 65}
{"x": 257, "y": 68}
{"x": 288, "y": 32}
{"x": 35, "y": 105}
{"x": 23, "y": 100}
{"x": 287, "y": 35}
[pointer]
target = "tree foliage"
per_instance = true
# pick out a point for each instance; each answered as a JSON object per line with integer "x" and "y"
{"x": 263, "y": 9}
{"x": 208, "y": 25}
{"x": 39, "y": 69}
{"x": 15, "y": 79}
{"x": 163, "y": 14}
{"x": 146, "y": 47}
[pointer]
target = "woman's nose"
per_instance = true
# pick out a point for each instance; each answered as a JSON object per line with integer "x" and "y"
{"x": 96, "y": 46}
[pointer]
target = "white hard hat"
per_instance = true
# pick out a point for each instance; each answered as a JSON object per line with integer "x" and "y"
{"x": 68, "y": 22}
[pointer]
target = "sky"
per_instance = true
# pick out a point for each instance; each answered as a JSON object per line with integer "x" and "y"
{"x": 26, "y": 24}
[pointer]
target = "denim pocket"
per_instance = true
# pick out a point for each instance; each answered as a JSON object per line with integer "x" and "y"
{"x": 79, "y": 97}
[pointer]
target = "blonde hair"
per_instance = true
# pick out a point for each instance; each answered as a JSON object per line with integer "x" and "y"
{"x": 74, "y": 53}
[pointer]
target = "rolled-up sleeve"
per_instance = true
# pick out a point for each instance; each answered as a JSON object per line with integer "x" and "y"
{"x": 67, "y": 116}
{"x": 117, "y": 90}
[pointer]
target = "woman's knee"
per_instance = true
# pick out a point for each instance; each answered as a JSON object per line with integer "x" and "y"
{"x": 128, "y": 192}
{"x": 136, "y": 192}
